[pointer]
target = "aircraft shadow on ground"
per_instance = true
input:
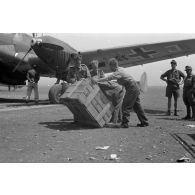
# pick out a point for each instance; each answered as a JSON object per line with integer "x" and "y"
{"x": 7, "y": 100}
{"x": 22, "y": 102}
{"x": 65, "y": 125}
{"x": 28, "y": 104}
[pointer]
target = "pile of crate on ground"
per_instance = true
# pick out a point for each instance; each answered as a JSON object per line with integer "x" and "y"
{"x": 88, "y": 103}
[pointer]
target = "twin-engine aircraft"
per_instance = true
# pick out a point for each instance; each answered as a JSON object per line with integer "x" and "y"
{"x": 18, "y": 51}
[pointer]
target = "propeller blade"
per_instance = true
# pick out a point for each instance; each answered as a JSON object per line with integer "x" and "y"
{"x": 16, "y": 67}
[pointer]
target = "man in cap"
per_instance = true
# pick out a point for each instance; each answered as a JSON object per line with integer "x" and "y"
{"x": 131, "y": 98}
{"x": 77, "y": 71}
{"x": 33, "y": 77}
{"x": 95, "y": 71}
{"x": 113, "y": 91}
{"x": 173, "y": 78}
{"x": 189, "y": 93}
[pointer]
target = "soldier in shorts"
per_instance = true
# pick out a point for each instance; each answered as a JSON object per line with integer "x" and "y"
{"x": 172, "y": 77}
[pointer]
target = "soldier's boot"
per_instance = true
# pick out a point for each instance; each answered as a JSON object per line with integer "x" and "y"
{"x": 193, "y": 113}
{"x": 168, "y": 113}
{"x": 175, "y": 113}
{"x": 188, "y": 116}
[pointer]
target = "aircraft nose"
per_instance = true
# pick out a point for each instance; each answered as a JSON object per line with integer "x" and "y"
{"x": 35, "y": 41}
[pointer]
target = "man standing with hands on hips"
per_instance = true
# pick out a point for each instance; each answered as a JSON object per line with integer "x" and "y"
{"x": 173, "y": 78}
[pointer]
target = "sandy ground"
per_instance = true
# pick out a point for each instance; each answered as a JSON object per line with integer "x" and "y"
{"x": 43, "y": 133}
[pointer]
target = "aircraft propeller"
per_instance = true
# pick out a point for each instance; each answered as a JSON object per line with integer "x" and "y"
{"x": 34, "y": 35}
{"x": 16, "y": 67}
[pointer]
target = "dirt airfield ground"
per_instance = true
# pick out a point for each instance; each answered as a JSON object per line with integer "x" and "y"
{"x": 43, "y": 133}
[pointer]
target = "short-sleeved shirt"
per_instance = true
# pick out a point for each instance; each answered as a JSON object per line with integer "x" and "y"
{"x": 33, "y": 75}
{"x": 77, "y": 73}
{"x": 173, "y": 77}
{"x": 124, "y": 78}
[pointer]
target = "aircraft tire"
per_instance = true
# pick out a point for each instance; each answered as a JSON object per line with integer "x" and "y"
{"x": 55, "y": 92}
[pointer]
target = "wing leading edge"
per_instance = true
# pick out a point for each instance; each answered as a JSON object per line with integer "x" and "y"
{"x": 141, "y": 54}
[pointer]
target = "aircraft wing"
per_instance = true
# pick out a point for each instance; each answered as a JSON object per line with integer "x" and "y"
{"x": 141, "y": 54}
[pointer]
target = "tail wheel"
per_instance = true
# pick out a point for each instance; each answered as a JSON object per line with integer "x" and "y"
{"x": 55, "y": 92}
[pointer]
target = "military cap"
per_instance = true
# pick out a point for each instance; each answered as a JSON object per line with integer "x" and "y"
{"x": 113, "y": 61}
{"x": 188, "y": 68}
{"x": 173, "y": 62}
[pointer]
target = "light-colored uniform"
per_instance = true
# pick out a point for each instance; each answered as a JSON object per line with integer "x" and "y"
{"x": 131, "y": 98}
{"x": 113, "y": 91}
{"x": 33, "y": 79}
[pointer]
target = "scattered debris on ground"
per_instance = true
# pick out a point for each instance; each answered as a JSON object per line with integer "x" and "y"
{"x": 102, "y": 147}
{"x": 191, "y": 126}
{"x": 92, "y": 158}
{"x": 114, "y": 157}
{"x": 184, "y": 159}
{"x": 149, "y": 157}
{"x": 69, "y": 159}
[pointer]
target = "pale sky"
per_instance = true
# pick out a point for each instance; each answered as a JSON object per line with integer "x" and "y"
{"x": 86, "y": 41}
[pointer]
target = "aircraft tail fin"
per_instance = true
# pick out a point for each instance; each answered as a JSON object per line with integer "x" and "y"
{"x": 143, "y": 83}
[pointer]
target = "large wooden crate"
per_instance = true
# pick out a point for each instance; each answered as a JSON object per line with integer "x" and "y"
{"x": 88, "y": 103}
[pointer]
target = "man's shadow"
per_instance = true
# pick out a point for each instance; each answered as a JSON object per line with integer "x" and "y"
{"x": 65, "y": 125}
{"x": 155, "y": 112}
{"x": 171, "y": 119}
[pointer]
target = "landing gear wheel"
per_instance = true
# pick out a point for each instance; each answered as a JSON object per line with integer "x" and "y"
{"x": 55, "y": 92}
